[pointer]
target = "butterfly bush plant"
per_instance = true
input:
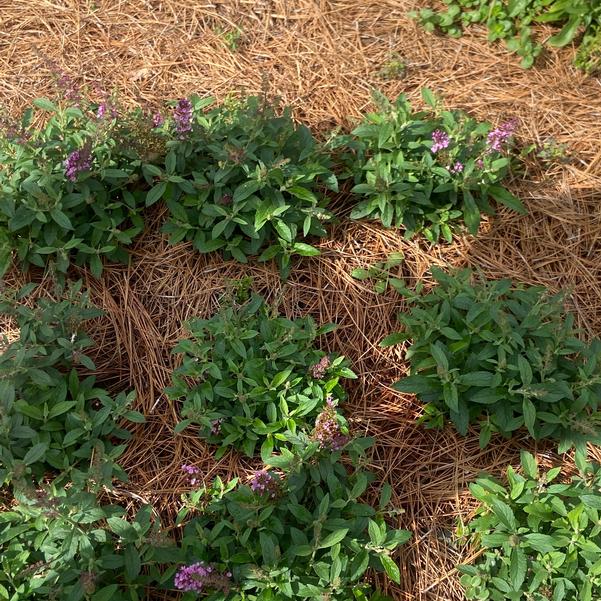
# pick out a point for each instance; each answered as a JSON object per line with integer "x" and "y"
{"x": 540, "y": 536}
{"x": 52, "y": 419}
{"x": 248, "y": 375}
{"x": 72, "y": 189}
{"x": 503, "y": 355}
{"x": 58, "y": 543}
{"x": 295, "y": 530}
{"x": 426, "y": 171}
{"x": 512, "y": 21}
{"x": 243, "y": 178}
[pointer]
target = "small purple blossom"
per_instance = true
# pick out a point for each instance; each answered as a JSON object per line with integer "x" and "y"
{"x": 193, "y": 473}
{"x": 101, "y": 110}
{"x": 157, "y": 119}
{"x": 216, "y": 426}
{"x": 69, "y": 87}
{"x": 480, "y": 164}
{"x": 77, "y": 162}
{"x": 441, "y": 140}
{"x": 183, "y": 118}
{"x": 199, "y": 577}
{"x": 327, "y": 430}
{"x": 456, "y": 168}
{"x": 263, "y": 482}
{"x": 500, "y": 136}
{"x": 319, "y": 369}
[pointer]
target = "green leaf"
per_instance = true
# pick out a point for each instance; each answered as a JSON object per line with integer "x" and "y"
{"x": 96, "y": 266}
{"x": 390, "y": 567}
{"x": 518, "y": 565}
{"x": 35, "y": 453}
{"x": 45, "y": 104}
{"x": 504, "y": 513}
{"x": 60, "y": 218}
{"x": 132, "y": 562}
{"x": 106, "y": 593}
{"x": 359, "y": 564}
{"x": 305, "y": 250}
{"x": 333, "y": 538}
{"x": 155, "y": 193}
{"x": 506, "y": 198}
{"x": 429, "y": 97}
{"x": 529, "y": 411}
{"x": 540, "y": 542}
{"x": 246, "y": 189}
{"x": 567, "y": 34}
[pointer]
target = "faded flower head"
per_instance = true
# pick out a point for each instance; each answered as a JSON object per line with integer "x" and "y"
{"x": 183, "y": 118}
{"x": 441, "y": 140}
{"x": 77, "y": 162}
{"x": 88, "y": 582}
{"x": 199, "y": 577}
{"x": 327, "y": 430}
{"x": 193, "y": 473}
{"x": 263, "y": 482}
{"x": 216, "y": 426}
{"x": 68, "y": 86}
{"x": 500, "y": 136}
{"x": 320, "y": 368}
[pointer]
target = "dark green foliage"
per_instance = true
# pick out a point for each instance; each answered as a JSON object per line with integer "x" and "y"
{"x": 406, "y": 182}
{"x": 512, "y": 21}
{"x": 503, "y": 355}
{"x": 63, "y": 544}
{"x": 245, "y": 181}
{"x": 48, "y": 219}
{"x": 247, "y": 376}
{"x": 51, "y": 418}
{"x": 311, "y": 540}
{"x": 541, "y": 537}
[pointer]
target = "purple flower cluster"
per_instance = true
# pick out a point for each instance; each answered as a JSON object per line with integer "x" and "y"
{"x": 441, "y": 140}
{"x": 193, "y": 473}
{"x": 69, "y": 87}
{"x": 216, "y": 426}
{"x": 77, "y": 162}
{"x": 200, "y": 576}
{"x": 183, "y": 118}
{"x": 456, "y": 168}
{"x": 101, "y": 110}
{"x": 327, "y": 428}
{"x": 499, "y": 136}
{"x": 319, "y": 369}
{"x": 157, "y": 119}
{"x": 263, "y": 482}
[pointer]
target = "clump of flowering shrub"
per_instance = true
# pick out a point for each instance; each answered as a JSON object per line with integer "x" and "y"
{"x": 513, "y": 22}
{"x": 50, "y": 417}
{"x": 249, "y": 375}
{"x": 296, "y": 531}
{"x": 73, "y": 189}
{"x": 245, "y": 179}
{"x": 61, "y": 543}
{"x": 427, "y": 171}
{"x": 540, "y": 537}
{"x": 503, "y": 355}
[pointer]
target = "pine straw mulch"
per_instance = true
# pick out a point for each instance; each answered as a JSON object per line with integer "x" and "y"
{"x": 323, "y": 58}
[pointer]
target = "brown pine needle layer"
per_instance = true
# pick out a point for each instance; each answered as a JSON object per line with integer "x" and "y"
{"x": 323, "y": 58}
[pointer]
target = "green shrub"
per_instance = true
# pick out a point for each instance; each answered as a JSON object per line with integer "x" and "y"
{"x": 512, "y": 21}
{"x": 248, "y": 376}
{"x": 502, "y": 354}
{"x": 426, "y": 172}
{"x": 50, "y": 417}
{"x": 296, "y": 531}
{"x": 243, "y": 180}
{"x": 541, "y": 539}
{"x": 73, "y": 189}
{"x": 588, "y": 57}
{"x": 58, "y": 543}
